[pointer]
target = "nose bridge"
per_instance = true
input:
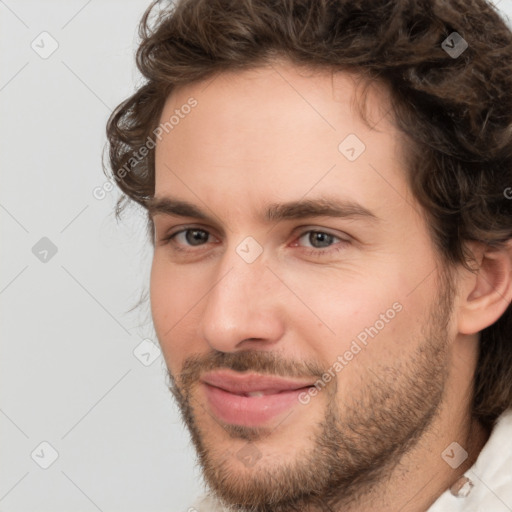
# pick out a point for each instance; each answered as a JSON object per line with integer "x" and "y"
{"x": 242, "y": 274}
{"x": 240, "y": 285}
{"x": 239, "y": 305}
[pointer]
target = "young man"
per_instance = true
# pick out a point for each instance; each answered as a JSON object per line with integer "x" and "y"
{"x": 327, "y": 185}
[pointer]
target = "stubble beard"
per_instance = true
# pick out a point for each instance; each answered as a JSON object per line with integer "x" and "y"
{"x": 355, "y": 446}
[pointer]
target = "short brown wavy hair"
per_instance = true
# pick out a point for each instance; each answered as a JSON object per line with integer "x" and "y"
{"x": 456, "y": 112}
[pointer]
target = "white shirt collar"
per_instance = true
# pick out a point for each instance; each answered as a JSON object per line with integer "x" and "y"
{"x": 487, "y": 485}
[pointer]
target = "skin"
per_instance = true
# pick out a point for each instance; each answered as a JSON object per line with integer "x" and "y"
{"x": 271, "y": 135}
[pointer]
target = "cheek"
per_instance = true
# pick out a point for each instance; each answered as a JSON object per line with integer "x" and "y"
{"x": 162, "y": 297}
{"x": 173, "y": 294}
{"x": 377, "y": 319}
{"x": 173, "y": 291}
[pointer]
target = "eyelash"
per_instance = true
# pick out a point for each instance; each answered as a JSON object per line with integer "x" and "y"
{"x": 307, "y": 250}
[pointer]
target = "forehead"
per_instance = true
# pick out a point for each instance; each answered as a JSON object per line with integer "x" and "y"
{"x": 279, "y": 130}
{"x": 282, "y": 93}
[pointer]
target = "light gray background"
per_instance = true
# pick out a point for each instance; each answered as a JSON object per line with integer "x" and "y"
{"x": 69, "y": 371}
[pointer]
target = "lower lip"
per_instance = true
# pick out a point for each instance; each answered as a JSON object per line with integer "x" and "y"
{"x": 249, "y": 411}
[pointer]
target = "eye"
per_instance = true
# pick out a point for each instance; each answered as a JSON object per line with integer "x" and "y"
{"x": 192, "y": 237}
{"x": 318, "y": 239}
{"x": 312, "y": 242}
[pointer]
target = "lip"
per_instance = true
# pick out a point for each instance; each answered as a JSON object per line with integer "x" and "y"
{"x": 226, "y": 394}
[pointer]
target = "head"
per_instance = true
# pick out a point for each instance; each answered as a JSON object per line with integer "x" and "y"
{"x": 326, "y": 204}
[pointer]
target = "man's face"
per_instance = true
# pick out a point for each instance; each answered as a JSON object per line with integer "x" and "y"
{"x": 254, "y": 288}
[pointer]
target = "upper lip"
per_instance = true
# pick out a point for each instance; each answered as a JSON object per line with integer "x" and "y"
{"x": 251, "y": 382}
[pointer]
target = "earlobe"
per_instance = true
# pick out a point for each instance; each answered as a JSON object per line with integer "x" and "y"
{"x": 486, "y": 293}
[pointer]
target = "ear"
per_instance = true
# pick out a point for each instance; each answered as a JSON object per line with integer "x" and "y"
{"x": 486, "y": 293}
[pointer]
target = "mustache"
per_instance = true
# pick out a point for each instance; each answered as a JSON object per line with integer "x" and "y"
{"x": 258, "y": 361}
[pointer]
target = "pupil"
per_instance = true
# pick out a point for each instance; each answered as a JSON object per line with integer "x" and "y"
{"x": 320, "y": 239}
{"x": 196, "y": 236}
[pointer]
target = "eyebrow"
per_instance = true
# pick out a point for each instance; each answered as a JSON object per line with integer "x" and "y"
{"x": 293, "y": 210}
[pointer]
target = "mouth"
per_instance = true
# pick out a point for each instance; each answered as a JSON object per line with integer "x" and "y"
{"x": 251, "y": 399}
{"x": 265, "y": 392}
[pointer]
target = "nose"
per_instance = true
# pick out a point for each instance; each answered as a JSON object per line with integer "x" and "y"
{"x": 243, "y": 308}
